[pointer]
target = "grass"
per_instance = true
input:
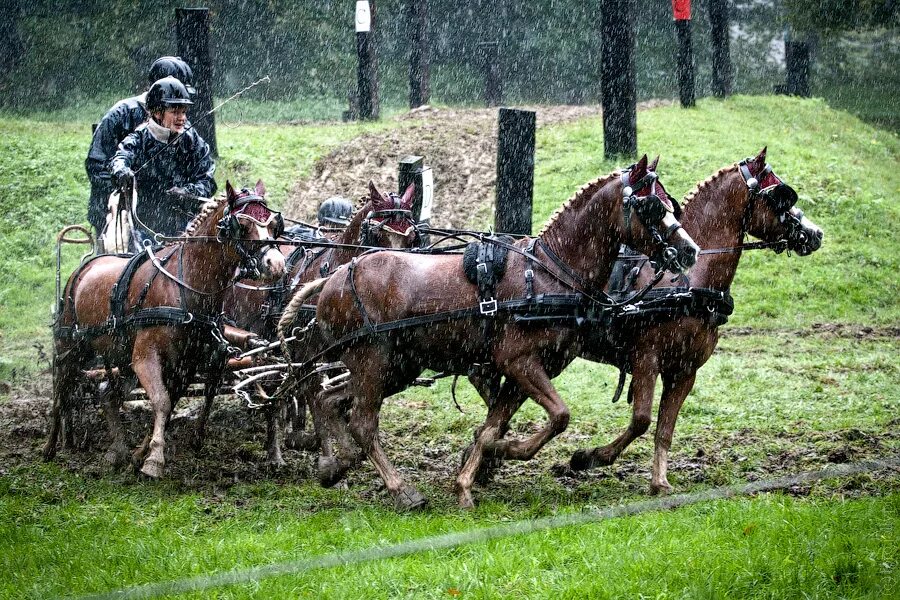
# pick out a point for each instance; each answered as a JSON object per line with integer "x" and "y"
{"x": 769, "y": 546}
{"x": 778, "y": 396}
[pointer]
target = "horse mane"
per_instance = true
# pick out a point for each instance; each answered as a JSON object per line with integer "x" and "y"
{"x": 706, "y": 183}
{"x": 582, "y": 195}
{"x": 207, "y": 209}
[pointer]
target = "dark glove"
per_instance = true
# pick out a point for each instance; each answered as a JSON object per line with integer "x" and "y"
{"x": 124, "y": 179}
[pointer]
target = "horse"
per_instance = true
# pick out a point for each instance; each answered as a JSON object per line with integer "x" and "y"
{"x": 156, "y": 316}
{"x": 740, "y": 199}
{"x": 572, "y": 257}
{"x": 382, "y": 221}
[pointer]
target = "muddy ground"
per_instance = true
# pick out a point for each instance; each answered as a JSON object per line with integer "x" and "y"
{"x": 460, "y": 145}
{"x": 235, "y": 452}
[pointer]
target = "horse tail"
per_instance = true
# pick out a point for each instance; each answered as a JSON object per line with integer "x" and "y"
{"x": 290, "y": 312}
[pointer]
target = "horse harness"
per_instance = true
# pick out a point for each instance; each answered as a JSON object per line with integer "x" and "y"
{"x": 123, "y": 319}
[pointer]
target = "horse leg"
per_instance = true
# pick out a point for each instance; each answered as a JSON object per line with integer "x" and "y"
{"x": 495, "y": 425}
{"x": 640, "y": 394}
{"x": 364, "y": 428}
{"x": 274, "y": 435}
{"x": 149, "y": 372}
{"x": 117, "y": 454}
{"x": 675, "y": 390}
{"x": 533, "y": 380}
{"x": 64, "y": 374}
{"x": 209, "y": 394}
{"x": 331, "y": 424}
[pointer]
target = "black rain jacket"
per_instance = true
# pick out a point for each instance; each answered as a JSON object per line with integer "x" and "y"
{"x": 123, "y": 118}
{"x": 184, "y": 164}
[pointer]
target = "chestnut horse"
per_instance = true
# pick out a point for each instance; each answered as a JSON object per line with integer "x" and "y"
{"x": 157, "y": 315}
{"x": 574, "y": 253}
{"x": 740, "y": 199}
{"x": 383, "y": 221}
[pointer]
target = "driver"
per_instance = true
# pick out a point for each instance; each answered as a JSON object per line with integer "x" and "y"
{"x": 334, "y": 213}
{"x": 168, "y": 162}
{"x": 122, "y": 119}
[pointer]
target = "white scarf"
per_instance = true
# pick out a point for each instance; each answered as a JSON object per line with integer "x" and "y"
{"x": 159, "y": 132}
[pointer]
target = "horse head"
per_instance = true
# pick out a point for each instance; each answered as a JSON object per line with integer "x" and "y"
{"x": 650, "y": 224}
{"x": 390, "y": 223}
{"x": 250, "y": 229}
{"x": 770, "y": 214}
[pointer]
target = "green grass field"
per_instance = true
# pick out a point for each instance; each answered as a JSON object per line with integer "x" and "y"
{"x": 806, "y": 374}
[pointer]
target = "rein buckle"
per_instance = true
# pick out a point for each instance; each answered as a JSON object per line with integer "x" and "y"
{"x": 488, "y": 307}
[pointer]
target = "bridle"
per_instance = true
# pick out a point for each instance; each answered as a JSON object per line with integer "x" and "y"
{"x": 781, "y": 198}
{"x": 650, "y": 210}
{"x": 252, "y": 208}
{"x": 378, "y": 220}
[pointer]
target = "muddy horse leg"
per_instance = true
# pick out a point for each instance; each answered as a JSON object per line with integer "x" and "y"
{"x": 640, "y": 393}
{"x": 330, "y": 419}
{"x": 64, "y": 375}
{"x": 504, "y": 406}
{"x": 274, "y": 436}
{"x": 117, "y": 454}
{"x": 675, "y": 390}
{"x": 534, "y": 382}
{"x": 149, "y": 373}
{"x": 210, "y": 387}
{"x": 370, "y": 391}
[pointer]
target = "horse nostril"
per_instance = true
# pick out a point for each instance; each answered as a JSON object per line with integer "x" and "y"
{"x": 689, "y": 255}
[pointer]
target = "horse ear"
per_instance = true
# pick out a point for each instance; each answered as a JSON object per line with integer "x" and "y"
{"x": 760, "y": 160}
{"x": 640, "y": 168}
{"x": 374, "y": 194}
{"x": 652, "y": 166}
{"x": 229, "y": 192}
{"x": 260, "y": 189}
{"x": 408, "y": 195}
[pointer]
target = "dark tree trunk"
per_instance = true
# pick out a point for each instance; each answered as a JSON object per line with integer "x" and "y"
{"x": 797, "y": 60}
{"x": 192, "y": 29}
{"x": 685, "y": 63}
{"x": 419, "y": 71}
{"x": 515, "y": 171}
{"x": 721, "y": 57}
{"x": 490, "y": 66}
{"x": 617, "y": 78}
{"x": 367, "y": 73}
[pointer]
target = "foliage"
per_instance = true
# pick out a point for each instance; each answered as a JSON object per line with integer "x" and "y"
{"x": 830, "y": 16}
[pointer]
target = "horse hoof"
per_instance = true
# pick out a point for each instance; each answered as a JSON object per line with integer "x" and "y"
{"x": 661, "y": 489}
{"x": 302, "y": 441}
{"x": 330, "y": 471}
{"x": 466, "y": 501}
{"x": 409, "y": 498}
{"x": 152, "y": 469}
{"x": 581, "y": 460}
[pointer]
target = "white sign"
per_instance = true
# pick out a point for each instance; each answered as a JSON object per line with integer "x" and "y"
{"x": 427, "y": 193}
{"x": 363, "y": 17}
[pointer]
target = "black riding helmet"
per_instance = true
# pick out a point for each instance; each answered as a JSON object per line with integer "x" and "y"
{"x": 166, "y": 93}
{"x": 336, "y": 210}
{"x": 173, "y": 66}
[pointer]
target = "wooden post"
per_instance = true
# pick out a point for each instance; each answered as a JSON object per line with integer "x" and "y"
{"x": 490, "y": 66}
{"x": 413, "y": 170}
{"x": 617, "y": 79}
{"x": 419, "y": 71}
{"x": 515, "y": 171}
{"x": 721, "y": 59}
{"x": 682, "y": 11}
{"x": 367, "y": 71}
{"x": 192, "y": 30}
{"x": 796, "y": 57}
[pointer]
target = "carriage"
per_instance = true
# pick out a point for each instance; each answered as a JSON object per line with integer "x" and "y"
{"x": 519, "y": 310}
